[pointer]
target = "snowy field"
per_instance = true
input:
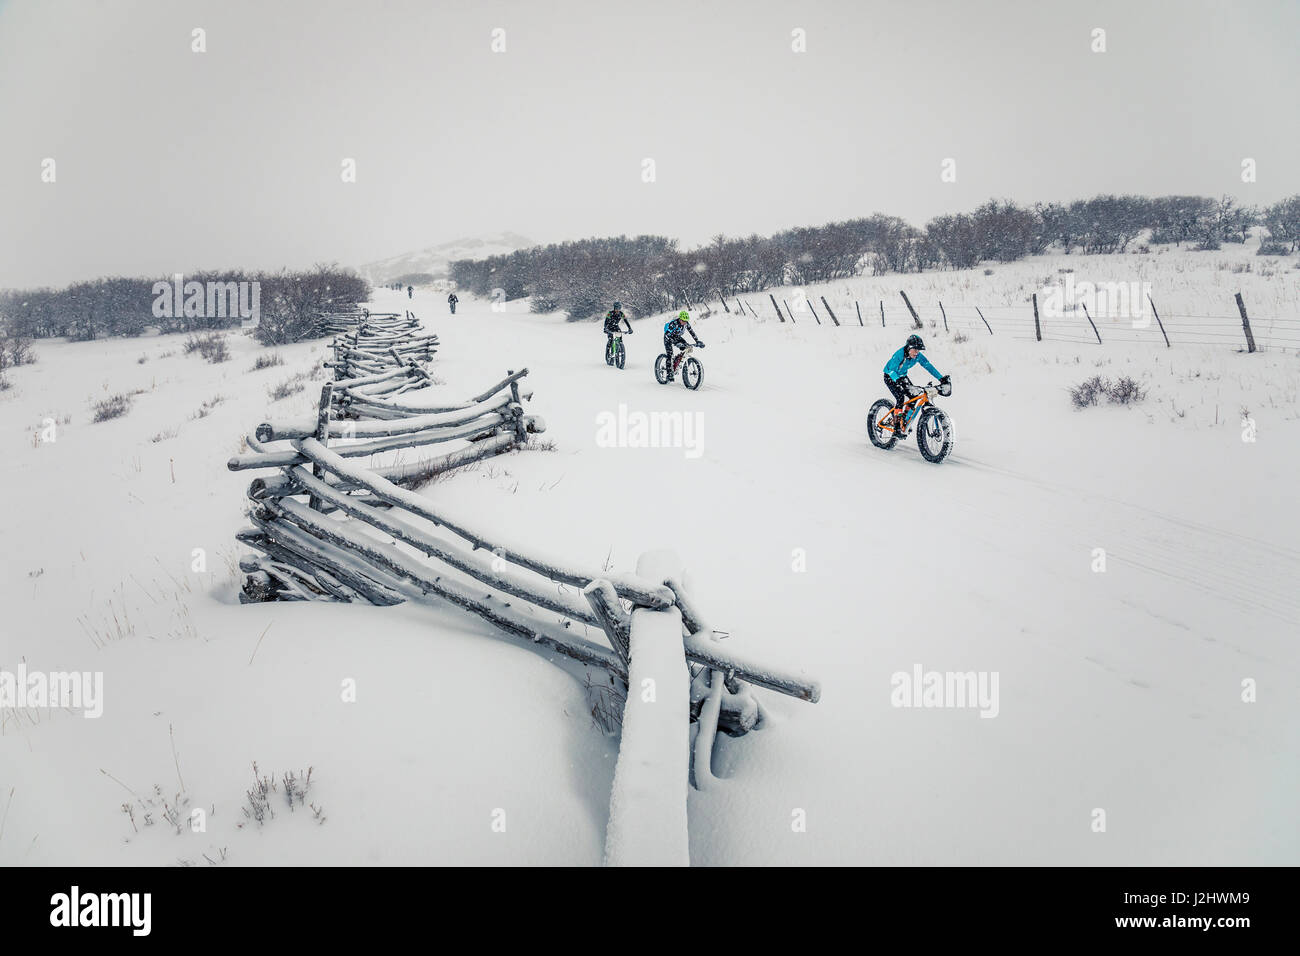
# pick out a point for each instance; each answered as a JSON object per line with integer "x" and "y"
{"x": 1118, "y": 690}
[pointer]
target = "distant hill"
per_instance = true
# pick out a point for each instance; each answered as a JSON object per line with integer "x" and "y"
{"x": 430, "y": 264}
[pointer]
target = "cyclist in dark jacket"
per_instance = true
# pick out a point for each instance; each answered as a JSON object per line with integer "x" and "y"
{"x": 612, "y": 319}
{"x": 452, "y": 299}
{"x": 673, "y": 338}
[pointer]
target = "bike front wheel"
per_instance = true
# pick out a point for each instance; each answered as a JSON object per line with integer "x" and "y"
{"x": 934, "y": 434}
{"x": 620, "y": 355}
{"x": 692, "y": 373}
{"x": 661, "y": 369}
{"x": 881, "y": 437}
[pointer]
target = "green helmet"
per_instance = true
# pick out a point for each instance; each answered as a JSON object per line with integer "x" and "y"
{"x": 684, "y": 315}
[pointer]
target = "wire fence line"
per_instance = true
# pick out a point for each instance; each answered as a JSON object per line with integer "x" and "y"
{"x": 1145, "y": 324}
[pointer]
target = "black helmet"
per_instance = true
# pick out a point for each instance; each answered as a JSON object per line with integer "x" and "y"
{"x": 914, "y": 342}
{"x": 618, "y": 305}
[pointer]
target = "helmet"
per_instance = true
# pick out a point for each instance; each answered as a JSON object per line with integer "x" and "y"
{"x": 684, "y": 315}
{"x": 618, "y": 305}
{"x": 914, "y": 342}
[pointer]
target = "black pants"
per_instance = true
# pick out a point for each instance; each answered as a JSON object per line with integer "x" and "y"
{"x": 453, "y": 307}
{"x": 900, "y": 389}
{"x": 669, "y": 342}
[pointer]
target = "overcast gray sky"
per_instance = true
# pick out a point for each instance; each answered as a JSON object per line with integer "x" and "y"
{"x": 169, "y": 160}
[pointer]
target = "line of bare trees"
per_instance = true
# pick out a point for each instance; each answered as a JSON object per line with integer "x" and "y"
{"x": 288, "y": 303}
{"x": 651, "y": 274}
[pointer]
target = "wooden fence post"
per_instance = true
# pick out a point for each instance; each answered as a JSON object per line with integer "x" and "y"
{"x": 1038, "y": 329}
{"x": 517, "y": 410}
{"x": 1158, "y": 322}
{"x": 790, "y": 311}
{"x": 984, "y": 320}
{"x": 859, "y": 308}
{"x": 812, "y": 310}
{"x": 322, "y": 436}
{"x": 724, "y": 303}
{"x": 831, "y": 311}
{"x": 882, "y": 313}
{"x": 1245, "y": 324}
{"x": 775, "y": 306}
{"x": 945, "y": 317}
{"x": 915, "y": 318}
{"x": 1090, "y": 322}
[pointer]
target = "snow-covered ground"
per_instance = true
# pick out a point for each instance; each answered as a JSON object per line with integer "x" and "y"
{"x": 432, "y": 740}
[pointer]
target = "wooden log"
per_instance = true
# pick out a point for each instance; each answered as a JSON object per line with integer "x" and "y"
{"x": 915, "y": 318}
{"x": 614, "y": 620}
{"x": 480, "y": 428}
{"x": 322, "y": 431}
{"x": 1245, "y": 324}
{"x": 945, "y": 317}
{"x": 305, "y": 428}
{"x": 812, "y": 310}
{"x": 859, "y": 308}
{"x": 517, "y": 412}
{"x": 476, "y": 566}
{"x": 286, "y": 543}
{"x": 1090, "y": 322}
{"x": 830, "y": 311}
{"x": 1038, "y": 329}
{"x": 706, "y": 733}
{"x": 486, "y": 605}
{"x": 777, "y": 307}
{"x": 789, "y": 311}
{"x": 984, "y": 320}
{"x": 629, "y": 587}
{"x": 1158, "y": 322}
{"x": 701, "y": 650}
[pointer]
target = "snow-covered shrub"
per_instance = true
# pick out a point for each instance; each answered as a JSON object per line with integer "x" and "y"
{"x": 1125, "y": 391}
{"x": 290, "y": 386}
{"x": 111, "y": 408}
{"x": 211, "y": 346}
{"x": 1122, "y": 391}
{"x": 1087, "y": 392}
{"x": 268, "y": 360}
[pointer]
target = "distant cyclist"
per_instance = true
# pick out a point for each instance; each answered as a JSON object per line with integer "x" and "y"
{"x": 673, "y": 338}
{"x": 615, "y": 320}
{"x": 896, "y": 369}
{"x": 452, "y": 299}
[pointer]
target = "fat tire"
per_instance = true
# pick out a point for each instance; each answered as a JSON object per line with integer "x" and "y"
{"x": 923, "y": 430}
{"x": 691, "y": 368}
{"x": 878, "y": 438}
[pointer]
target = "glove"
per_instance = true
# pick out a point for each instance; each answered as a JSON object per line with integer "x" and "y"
{"x": 945, "y": 380}
{"x": 699, "y": 344}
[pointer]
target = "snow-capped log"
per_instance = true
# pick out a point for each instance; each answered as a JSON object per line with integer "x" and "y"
{"x": 647, "y": 804}
{"x": 478, "y": 566}
{"x": 610, "y": 616}
{"x": 630, "y": 587}
{"x": 701, "y": 650}
{"x": 306, "y": 427}
{"x": 707, "y": 731}
{"x": 427, "y": 580}
{"x": 482, "y": 428}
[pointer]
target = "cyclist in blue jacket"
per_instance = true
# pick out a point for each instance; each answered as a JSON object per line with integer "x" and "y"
{"x": 896, "y": 369}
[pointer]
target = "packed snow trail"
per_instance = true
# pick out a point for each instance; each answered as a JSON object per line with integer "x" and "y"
{"x": 1122, "y": 690}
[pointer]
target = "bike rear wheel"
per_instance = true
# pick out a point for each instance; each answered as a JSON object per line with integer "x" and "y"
{"x": 661, "y": 369}
{"x": 692, "y": 373}
{"x": 934, "y": 434}
{"x": 881, "y": 437}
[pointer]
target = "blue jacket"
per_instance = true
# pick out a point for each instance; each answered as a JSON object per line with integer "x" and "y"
{"x": 899, "y": 365}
